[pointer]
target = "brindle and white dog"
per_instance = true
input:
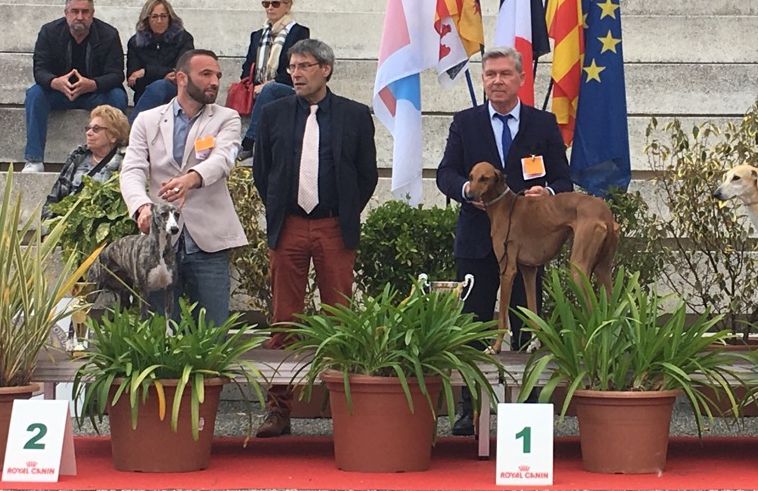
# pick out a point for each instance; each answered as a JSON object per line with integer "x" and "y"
{"x": 142, "y": 263}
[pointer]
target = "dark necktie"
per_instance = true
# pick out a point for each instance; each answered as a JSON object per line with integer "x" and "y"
{"x": 506, "y": 139}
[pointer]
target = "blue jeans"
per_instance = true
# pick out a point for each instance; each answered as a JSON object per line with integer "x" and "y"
{"x": 40, "y": 101}
{"x": 203, "y": 278}
{"x": 156, "y": 94}
{"x": 269, "y": 93}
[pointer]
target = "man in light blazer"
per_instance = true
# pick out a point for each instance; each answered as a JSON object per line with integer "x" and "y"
{"x": 315, "y": 170}
{"x": 183, "y": 153}
{"x": 526, "y": 144}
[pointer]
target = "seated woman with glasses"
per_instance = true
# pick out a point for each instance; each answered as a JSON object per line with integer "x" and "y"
{"x": 152, "y": 53}
{"x": 267, "y": 56}
{"x": 106, "y": 135}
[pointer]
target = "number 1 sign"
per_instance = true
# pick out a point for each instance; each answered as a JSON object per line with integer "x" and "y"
{"x": 524, "y": 445}
{"x": 40, "y": 442}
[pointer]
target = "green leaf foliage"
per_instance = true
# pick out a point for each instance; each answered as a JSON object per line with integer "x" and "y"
{"x": 624, "y": 341}
{"x": 424, "y": 334}
{"x": 29, "y": 293}
{"x": 129, "y": 355}
{"x": 709, "y": 251}
{"x": 95, "y": 214}
{"x": 399, "y": 241}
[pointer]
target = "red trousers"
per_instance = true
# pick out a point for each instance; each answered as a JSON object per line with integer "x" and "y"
{"x": 301, "y": 241}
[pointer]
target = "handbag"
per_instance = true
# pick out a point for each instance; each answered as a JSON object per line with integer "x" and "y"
{"x": 241, "y": 94}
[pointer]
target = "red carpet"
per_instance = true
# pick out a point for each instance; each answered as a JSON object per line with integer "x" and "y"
{"x": 306, "y": 463}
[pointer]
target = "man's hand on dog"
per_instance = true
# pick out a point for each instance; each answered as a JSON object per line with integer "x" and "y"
{"x": 537, "y": 191}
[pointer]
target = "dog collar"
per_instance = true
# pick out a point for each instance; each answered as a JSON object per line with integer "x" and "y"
{"x": 502, "y": 195}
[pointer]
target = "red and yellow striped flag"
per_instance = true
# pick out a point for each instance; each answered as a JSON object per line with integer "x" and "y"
{"x": 565, "y": 25}
{"x": 467, "y": 15}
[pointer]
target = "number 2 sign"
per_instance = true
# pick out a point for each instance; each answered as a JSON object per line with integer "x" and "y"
{"x": 40, "y": 442}
{"x": 524, "y": 445}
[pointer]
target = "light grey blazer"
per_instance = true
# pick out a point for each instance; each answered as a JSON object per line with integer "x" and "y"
{"x": 208, "y": 211}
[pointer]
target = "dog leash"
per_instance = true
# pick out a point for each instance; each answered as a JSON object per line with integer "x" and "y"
{"x": 504, "y": 259}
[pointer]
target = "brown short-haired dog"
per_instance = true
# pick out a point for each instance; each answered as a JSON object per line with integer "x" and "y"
{"x": 527, "y": 232}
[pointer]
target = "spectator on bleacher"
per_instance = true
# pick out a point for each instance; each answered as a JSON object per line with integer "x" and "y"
{"x": 106, "y": 137}
{"x": 78, "y": 64}
{"x": 267, "y": 55}
{"x": 151, "y": 55}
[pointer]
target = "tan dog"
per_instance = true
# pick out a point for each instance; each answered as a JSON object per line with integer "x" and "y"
{"x": 741, "y": 182}
{"x": 527, "y": 232}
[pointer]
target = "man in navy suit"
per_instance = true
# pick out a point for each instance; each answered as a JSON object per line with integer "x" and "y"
{"x": 527, "y": 144}
{"x": 315, "y": 170}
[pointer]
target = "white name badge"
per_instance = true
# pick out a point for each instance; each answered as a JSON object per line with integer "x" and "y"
{"x": 40, "y": 442}
{"x": 524, "y": 445}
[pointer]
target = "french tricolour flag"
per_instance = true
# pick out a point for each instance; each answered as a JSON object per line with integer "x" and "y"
{"x": 514, "y": 29}
{"x": 410, "y": 45}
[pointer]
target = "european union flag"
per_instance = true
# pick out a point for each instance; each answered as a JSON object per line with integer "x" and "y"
{"x": 600, "y": 153}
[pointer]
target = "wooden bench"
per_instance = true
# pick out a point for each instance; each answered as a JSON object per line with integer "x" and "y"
{"x": 278, "y": 367}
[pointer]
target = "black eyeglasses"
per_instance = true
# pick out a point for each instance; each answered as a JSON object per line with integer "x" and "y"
{"x": 300, "y": 66}
{"x": 95, "y": 128}
{"x": 159, "y": 17}
{"x": 275, "y": 3}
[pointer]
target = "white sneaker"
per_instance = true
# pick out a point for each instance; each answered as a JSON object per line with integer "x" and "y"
{"x": 33, "y": 167}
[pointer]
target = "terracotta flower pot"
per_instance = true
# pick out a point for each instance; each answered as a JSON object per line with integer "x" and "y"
{"x": 7, "y": 396}
{"x": 381, "y": 434}
{"x": 624, "y": 432}
{"x": 153, "y": 446}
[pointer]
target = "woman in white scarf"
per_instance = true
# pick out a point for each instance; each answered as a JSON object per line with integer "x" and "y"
{"x": 267, "y": 57}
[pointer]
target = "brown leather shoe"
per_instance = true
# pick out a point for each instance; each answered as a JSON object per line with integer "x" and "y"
{"x": 275, "y": 424}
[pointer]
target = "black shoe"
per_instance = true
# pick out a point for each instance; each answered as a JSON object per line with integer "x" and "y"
{"x": 244, "y": 155}
{"x": 464, "y": 425}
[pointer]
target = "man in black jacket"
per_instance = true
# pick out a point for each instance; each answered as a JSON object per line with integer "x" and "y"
{"x": 78, "y": 64}
{"x": 315, "y": 170}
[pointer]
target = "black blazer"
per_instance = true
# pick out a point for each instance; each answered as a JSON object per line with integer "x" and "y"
{"x": 275, "y": 170}
{"x": 471, "y": 141}
{"x": 157, "y": 55}
{"x": 297, "y": 32}
{"x": 104, "y": 58}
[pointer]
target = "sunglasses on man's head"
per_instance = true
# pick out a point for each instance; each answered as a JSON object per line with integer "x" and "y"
{"x": 275, "y": 3}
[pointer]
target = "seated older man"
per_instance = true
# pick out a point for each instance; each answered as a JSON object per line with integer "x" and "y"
{"x": 78, "y": 64}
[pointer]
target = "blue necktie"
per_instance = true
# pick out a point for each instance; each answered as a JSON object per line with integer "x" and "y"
{"x": 506, "y": 139}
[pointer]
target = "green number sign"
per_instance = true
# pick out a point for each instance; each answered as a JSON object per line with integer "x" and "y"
{"x": 526, "y": 434}
{"x": 33, "y": 444}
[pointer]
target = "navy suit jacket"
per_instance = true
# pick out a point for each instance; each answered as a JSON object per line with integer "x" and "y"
{"x": 471, "y": 141}
{"x": 275, "y": 169}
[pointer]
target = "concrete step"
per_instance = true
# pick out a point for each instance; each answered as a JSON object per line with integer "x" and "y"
{"x": 716, "y": 88}
{"x": 628, "y": 7}
{"x": 66, "y": 132}
{"x": 689, "y": 38}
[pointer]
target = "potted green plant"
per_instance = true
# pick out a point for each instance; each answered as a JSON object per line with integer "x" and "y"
{"x": 160, "y": 381}
{"x": 385, "y": 360}
{"x": 29, "y": 298}
{"x": 624, "y": 360}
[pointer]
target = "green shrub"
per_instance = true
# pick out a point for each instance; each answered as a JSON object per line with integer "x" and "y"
{"x": 398, "y": 242}
{"x": 97, "y": 214}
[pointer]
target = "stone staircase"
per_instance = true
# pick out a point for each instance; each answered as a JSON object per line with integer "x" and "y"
{"x": 694, "y": 59}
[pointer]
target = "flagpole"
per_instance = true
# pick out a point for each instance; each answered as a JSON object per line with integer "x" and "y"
{"x": 547, "y": 96}
{"x": 470, "y": 84}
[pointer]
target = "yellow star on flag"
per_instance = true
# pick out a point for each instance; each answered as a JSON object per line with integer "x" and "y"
{"x": 584, "y": 21}
{"x": 593, "y": 71}
{"x": 609, "y": 42}
{"x": 608, "y": 9}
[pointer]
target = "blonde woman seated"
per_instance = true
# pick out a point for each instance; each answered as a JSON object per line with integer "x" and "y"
{"x": 106, "y": 135}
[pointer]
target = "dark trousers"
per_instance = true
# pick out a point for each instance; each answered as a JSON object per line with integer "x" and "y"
{"x": 481, "y": 302}
{"x": 301, "y": 241}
